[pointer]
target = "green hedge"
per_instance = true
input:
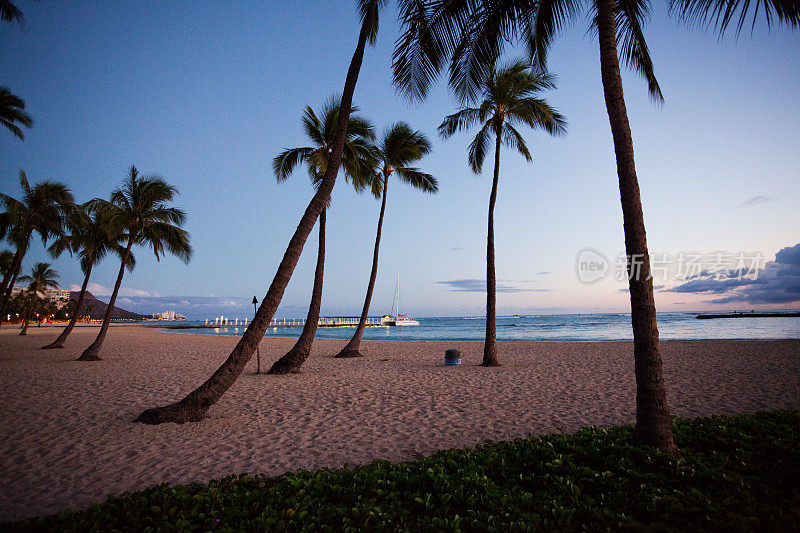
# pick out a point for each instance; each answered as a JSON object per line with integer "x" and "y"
{"x": 732, "y": 473}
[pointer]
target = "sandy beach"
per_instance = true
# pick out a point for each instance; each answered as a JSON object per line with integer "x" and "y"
{"x": 66, "y": 437}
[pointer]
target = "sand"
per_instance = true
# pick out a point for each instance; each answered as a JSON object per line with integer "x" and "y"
{"x": 66, "y": 436}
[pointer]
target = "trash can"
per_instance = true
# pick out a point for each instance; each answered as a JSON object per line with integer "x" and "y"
{"x": 452, "y": 357}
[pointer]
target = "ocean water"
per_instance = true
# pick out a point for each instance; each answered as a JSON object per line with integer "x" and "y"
{"x": 584, "y": 327}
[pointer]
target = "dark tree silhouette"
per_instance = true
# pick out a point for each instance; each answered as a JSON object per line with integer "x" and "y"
{"x": 91, "y": 237}
{"x": 358, "y": 162}
{"x": 43, "y": 209}
{"x": 469, "y": 37}
{"x": 139, "y": 213}
{"x": 194, "y": 406}
{"x": 399, "y": 147}
{"x": 509, "y": 97}
{"x": 42, "y": 278}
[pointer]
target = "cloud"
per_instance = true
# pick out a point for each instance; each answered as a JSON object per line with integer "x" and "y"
{"x": 655, "y": 288}
{"x": 479, "y": 285}
{"x": 101, "y": 290}
{"x": 456, "y": 248}
{"x": 194, "y": 307}
{"x": 778, "y": 282}
{"x": 98, "y": 290}
{"x": 128, "y": 291}
{"x": 756, "y": 200}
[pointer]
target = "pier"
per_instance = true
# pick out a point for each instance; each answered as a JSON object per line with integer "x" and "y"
{"x": 324, "y": 322}
{"x": 751, "y": 314}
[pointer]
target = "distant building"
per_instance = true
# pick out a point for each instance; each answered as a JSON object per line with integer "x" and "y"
{"x": 60, "y": 297}
{"x": 168, "y": 315}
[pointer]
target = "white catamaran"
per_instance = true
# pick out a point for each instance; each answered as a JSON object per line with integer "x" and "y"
{"x": 397, "y": 319}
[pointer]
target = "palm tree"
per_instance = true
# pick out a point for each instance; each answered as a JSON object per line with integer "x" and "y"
{"x": 400, "y": 146}
{"x": 471, "y": 36}
{"x": 12, "y": 112}
{"x": 42, "y": 278}
{"x": 358, "y": 162}
{"x": 10, "y": 13}
{"x": 92, "y": 237}
{"x": 12, "y": 107}
{"x": 139, "y": 213}
{"x": 194, "y": 406}
{"x": 508, "y": 98}
{"x": 44, "y": 209}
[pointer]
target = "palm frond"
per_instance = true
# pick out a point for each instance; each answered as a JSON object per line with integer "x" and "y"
{"x": 10, "y": 13}
{"x": 169, "y": 215}
{"x": 421, "y": 49}
{"x": 461, "y": 120}
{"x": 551, "y": 18}
{"x": 720, "y": 13}
{"x": 42, "y": 277}
{"x": 514, "y": 140}
{"x": 167, "y": 237}
{"x": 356, "y": 158}
{"x": 479, "y": 146}
{"x": 537, "y": 113}
{"x": 418, "y": 179}
{"x": 139, "y": 212}
{"x": 12, "y": 112}
{"x": 369, "y": 9}
{"x": 313, "y": 126}
{"x": 284, "y": 163}
{"x": 482, "y": 43}
{"x": 402, "y": 145}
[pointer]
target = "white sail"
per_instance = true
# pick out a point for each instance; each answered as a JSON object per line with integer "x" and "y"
{"x": 396, "y": 318}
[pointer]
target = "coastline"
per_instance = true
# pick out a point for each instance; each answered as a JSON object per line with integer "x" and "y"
{"x": 67, "y": 437}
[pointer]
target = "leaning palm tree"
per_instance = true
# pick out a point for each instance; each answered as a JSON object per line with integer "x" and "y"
{"x": 92, "y": 236}
{"x": 43, "y": 209}
{"x": 399, "y": 147}
{"x": 470, "y": 36}
{"x": 508, "y": 98}
{"x": 195, "y": 405}
{"x": 42, "y": 278}
{"x": 358, "y": 163}
{"x": 12, "y": 112}
{"x": 139, "y": 213}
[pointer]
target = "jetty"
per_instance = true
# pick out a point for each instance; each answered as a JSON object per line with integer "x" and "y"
{"x": 324, "y": 322}
{"x": 749, "y": 315}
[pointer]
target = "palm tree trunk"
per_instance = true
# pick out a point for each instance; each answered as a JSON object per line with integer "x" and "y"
{"x": 351, "y": 349}
{"x": 490, "y": 344}
{"x": 27, "y": 318}
{"x": 195, "y": 405}
{"x": 9, "y": 279}
{"x": 294, "y": 359}
{"x": 59, "y": 342}
{"x": 652, "y": 412}
{"x": 92, "y": 353}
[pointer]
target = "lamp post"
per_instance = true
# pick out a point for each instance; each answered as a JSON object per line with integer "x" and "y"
{"x": 258, "y": 353}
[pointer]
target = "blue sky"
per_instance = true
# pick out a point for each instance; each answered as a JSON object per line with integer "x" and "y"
{"x": 206, "y": 95}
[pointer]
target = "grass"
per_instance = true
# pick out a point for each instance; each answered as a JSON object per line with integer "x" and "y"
{"x": 732, "y": 473}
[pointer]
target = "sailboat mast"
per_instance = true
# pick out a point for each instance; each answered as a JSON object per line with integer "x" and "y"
{"x": 394, "y": 300}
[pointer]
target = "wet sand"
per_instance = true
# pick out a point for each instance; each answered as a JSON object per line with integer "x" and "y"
{"x": 66, "y": 436}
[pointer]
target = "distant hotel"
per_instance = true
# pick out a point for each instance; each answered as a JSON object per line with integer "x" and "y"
{"x": 168, "y": 315}
{"x": 58, "y": 296}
